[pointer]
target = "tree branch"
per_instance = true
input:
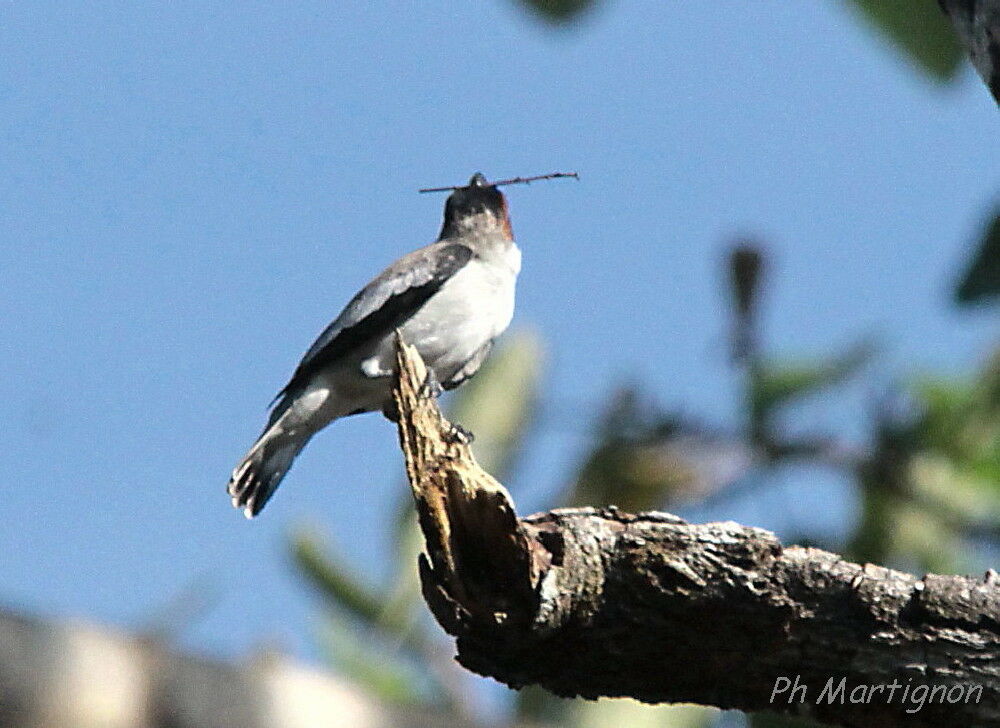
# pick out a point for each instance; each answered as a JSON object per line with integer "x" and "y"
{"x": 596, "y": 602}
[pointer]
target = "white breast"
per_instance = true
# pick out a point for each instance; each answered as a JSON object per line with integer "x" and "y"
{"x": 471, "y": 309}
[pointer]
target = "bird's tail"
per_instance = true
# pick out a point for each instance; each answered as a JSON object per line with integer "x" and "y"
{"x": 261, "y": 470}
{"x": 293, "y": 421}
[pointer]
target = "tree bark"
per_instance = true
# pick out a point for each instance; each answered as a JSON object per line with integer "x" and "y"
{"x": 596, "y": 602}
{"x": 977, "y": 23}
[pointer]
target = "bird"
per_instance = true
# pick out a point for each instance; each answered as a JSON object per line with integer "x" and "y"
{"x": 450, "y": 299}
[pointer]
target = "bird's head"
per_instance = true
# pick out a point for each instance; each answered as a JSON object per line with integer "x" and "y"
{"x": 479, "y": 208}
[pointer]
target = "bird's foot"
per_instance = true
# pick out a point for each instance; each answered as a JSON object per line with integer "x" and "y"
{"x": 391, "y": 411}
{"x": 431, "y": 388}
{"x": 458, "y": 435}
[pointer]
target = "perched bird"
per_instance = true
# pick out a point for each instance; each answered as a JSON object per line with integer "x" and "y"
{"x": 450, "y": 300}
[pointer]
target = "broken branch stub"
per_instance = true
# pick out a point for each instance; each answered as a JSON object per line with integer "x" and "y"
{"x": 597, "y": 602}
{"x": 477, "y": 568}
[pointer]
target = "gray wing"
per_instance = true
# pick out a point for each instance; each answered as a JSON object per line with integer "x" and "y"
{"x": 381, "y": 306}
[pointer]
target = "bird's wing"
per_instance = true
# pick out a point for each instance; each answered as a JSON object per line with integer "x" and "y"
{"x": 384, "y": 304}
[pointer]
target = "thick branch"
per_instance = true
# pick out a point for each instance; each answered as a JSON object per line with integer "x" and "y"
{"x": 977, "y": 23}
{"x": 602, "y": 603}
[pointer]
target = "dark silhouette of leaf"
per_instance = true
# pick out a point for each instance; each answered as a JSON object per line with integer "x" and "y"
{"x": 777, "y": 383}
{"x": 558, "y": 11}
{"x": 982, "y": 279}
{"x": 746, "y": 269}
{"x": 328, "y": 572}
{"x": 920, "y": 30}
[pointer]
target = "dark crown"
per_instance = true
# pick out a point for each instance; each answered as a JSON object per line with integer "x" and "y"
{"x": 476, "y": 198}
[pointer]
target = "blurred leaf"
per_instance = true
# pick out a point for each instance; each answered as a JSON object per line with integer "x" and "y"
{"x": 677, "y": 468}
{"x": 872, "y": 538}
{"x": 773, "y": 385}
{"x": 333, "y": 578}
{"x": 644, "y": 458}
{"x": 616, "y": 472}
{"x": 558, "y": 11}
{"x": 537, "y": 705}
{"x": 895, "y": 530}
{"x": 746, "y": 264}
{"x": 961, "y": 419}
{"x": 989, "y": 380}
{"x": 392, "y": 638}
{"x": 625, "y": 712}
{"x": 958, "y": 494}
{"x": 391, "y": 614}
{"x": 402, "y": 601}
{"x": 498, "y": 404}
{"x": 923, "y": 541}
{"x": 933, "y": 476}
{"x": 956, "y": 473}
{"x": 920, "y": 30}
{"x": 981, "y": 281}
{"x": 377, "y": 670}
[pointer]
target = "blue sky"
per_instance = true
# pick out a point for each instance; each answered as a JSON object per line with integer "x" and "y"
{"x": 190, "y": 191}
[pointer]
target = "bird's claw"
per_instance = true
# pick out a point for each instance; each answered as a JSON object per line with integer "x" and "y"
{"x": 458, "y": 435}
{"x": 431, "y": 388}
{"x": 391, "y": 411}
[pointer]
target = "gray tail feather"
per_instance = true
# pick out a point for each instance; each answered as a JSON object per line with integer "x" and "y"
{"x": 259, "y": 473}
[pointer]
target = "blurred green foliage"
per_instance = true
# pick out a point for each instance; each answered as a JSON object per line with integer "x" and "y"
{"x": 774, "y": 384}
{"x": 933, "y": 478}
{"x": 920, "y": 30}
